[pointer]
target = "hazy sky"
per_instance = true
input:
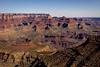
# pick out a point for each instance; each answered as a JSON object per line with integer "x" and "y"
{"x": 70, "y": 8}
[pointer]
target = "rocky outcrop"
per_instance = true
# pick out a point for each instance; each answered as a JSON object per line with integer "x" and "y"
{"x": 8, "y": 19}
{"x": 76, "y": 57}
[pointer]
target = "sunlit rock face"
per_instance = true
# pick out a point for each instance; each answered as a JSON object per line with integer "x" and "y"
{"x": 72, "y": 24}
{"x": 33, "y": 40}
{"x": 6, "y": 19}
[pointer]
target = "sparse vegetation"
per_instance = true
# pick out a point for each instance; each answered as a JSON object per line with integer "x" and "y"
{"x": 52, "y": 42}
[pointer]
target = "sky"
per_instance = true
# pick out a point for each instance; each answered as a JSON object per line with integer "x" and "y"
{"x": 68, "y": 8}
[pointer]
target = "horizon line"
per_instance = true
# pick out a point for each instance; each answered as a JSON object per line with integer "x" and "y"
{"x": 49, "y": 14}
